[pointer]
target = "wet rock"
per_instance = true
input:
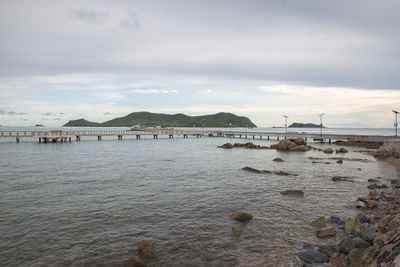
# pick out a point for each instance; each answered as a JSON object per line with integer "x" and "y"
{"x": 326, "y": 232}
{"x": 293, "y": 193}
{"x": 372, "y": 180}
{"x": 368, "y": 233}
{"x": 341, "y": 150}
{"x": 237, "y": 232}
{"x": 346, "y": 245}
{"x": 335, "y": 220}
{"x": 320, "y": 222}
{"x": 250, "y": 169}
{"x": 354, "y": 257}
{"x": 350, "y": 225}
{"x": 328, "y": 150}
{"x": 292, "y": 144}
{"x": 241, "y": 216}
{"x": 146, "y": 249}
{"x": 329, "y": 250}
{"x": 282, "y": 173}
{"x": 362, "y": 218}
{"x": 372, "y": 204}
{"x": 360, "y": 243}
{"x": 342, "y": 179}
{"x": 227, "y": 145}
{"x": 249, "y": 145}
{"x": 135, "y": 262}
{"x": 312, "y": 255}
{"x": 278, "y": 160}
{"x": 339, "y": 161}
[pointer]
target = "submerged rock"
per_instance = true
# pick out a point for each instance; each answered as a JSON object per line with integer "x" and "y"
{"x": 278, "y": 160}
{"x": 146, "y": 249}
{"x": 312, "y": 255}
{"x": 342, "y": 179}
{"x": 320, "y": 222}
{"x": 340, "y": 161}
{"x": 135, "y": 262}
{"x": 326, "y": 232}
{"x": 328, "y": 150}
{"x": 293, "y": 193}
{"x": 237, "y": 232}
{"x": 241, "y": 216}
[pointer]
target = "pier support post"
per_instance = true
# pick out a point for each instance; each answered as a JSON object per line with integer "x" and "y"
{"x": 155, "y": 136}
{"x": 268, "y": 137}
{"x": 99, "y": 137}
{"x": 171, "y": 136}
{"x": 185, "y": 136}
{"x": 260, "y": 137}
{"x": 137, "y": 136}
{"x": 17, "y": 139}
{"x": 330, "y": 141}
{"x": 245, "y": 137}
{"x": 240, "y": 136}
{"x": 40, "y": 139}
{"x": 277, "y": 138}
{"x": 253, "y": 137}
{"x": 69, "y": 139}
{"x": 78, "y": 138}
{"x": 119, "y": 137}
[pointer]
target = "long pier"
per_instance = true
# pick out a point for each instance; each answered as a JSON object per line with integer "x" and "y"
{"x": 69, "y": 135}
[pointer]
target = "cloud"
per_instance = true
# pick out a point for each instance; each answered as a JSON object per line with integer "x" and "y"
{"x": 47, "y": 114}
{"x": 89, "y": 16}
{"x": 108, "y": 113}
{"x": 11, "y": 113}
{"x": 154, "y": 91}
{"x": 131, "y": 22}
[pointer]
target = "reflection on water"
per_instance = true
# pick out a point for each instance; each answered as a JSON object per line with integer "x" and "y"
{"x": 91, "y": 202}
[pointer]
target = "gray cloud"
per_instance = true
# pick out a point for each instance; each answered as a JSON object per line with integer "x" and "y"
{"x": 89, "y": 16}
{"x": 131, "y": 22}
{"x": 11, "y": 113}
{"x": 47, "y": 114}
{"x": 108, "y": 113}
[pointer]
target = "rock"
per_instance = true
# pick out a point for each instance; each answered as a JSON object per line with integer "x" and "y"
{"x": 368, "y": 233}
{"x": 328, "y": 250}
{"x": 340, "y": 161}
{"x": 354, "y": 257}
{"x": 342, "y": 179}
{"x": 312, "y": 255}
{"x": 350, "y": 225}
{"x": 372, "y": 204}
{"x": 372, "y": 180}
{"x": 341, "y": 150}
{"x": 328, "y": 150}
{"x": 282, "y": 173}
{"x": 135, "y": 262}
{"x": 293, "y": 193}
{"x": 361, "y": 218}
{"x": 241, "y": 216}
{"x": 249, "y": 145}
{"x": 278, "y": 160}
{"x": 371, "y": 145}
{"x": 390, "y": 149}
{"x": 237, "y": 232}
{"x": 360, "y": 243}
{"x": 227, "y": 145}
{"x": 335, "y": 220}
{"x": 146, "y": 249}
{"x": 292, "y": 144}
{"x": 320, "y": 222}
{"x": 346, "y": 245}
{"x": 250, "y": 169}
{"x": 326, "y": 232}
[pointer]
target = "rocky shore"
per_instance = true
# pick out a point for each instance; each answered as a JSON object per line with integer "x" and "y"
{"x": 372, "y": 238}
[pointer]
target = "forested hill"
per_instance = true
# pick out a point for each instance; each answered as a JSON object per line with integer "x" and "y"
{"x": 165, "y": 120}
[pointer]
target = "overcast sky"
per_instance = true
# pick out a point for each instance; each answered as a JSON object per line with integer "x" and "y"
{"x": 62, "y": 60}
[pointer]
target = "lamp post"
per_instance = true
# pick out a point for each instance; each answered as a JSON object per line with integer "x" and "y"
{"x": 286, "y": 117}
{"x": 395, "y": 124}
{"x": 320, "y": 132}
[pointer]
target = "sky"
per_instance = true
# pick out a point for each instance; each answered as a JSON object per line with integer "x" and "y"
{"x": 64, "y": 60}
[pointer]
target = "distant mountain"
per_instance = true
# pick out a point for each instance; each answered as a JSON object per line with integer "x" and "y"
{"x": 305, "y": 125}
{"x": 165, "y": 120}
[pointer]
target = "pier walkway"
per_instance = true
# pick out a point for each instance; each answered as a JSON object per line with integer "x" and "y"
{"x": 69, "y": 135}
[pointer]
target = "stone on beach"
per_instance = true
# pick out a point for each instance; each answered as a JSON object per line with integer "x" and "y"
{"x": 341, "y": 150}
{"x": 241, "y": 216}
{"x": 146, "y": 249}
{"x": 278, "y": 160}
{"x": 349, "y": 225}
{"x": 312, "y": 255}
{"x": 293, "y": 193}
{"x": 390, "y": 149}
{"x": 292, "y": 144}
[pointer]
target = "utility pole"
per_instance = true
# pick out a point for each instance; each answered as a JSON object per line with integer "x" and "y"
{"x": 286, "y": 117}
{"x": 395, "y": 124}
{"x": 320, "y": 132}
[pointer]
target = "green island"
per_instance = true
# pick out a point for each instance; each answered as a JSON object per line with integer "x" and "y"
{"x": 305, "y": 125}
{"x": 149, "y": 119}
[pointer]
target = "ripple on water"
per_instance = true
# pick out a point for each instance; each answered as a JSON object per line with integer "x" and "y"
{"x": 96, "y": 204}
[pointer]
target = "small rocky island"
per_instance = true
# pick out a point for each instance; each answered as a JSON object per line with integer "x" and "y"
{"x": 305, "y": 125}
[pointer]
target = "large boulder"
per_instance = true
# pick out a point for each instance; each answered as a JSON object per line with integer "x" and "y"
{"x": 326, "y": 232}
{"x": 292, "y": 144}
{"x": 390, "y": 149}
{"x": 146, "y": 249}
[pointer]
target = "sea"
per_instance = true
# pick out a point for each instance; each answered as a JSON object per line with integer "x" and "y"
{"x": 90, "y": 203}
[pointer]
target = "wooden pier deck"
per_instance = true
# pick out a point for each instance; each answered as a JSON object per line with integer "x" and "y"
{"x": 69, "y": 135}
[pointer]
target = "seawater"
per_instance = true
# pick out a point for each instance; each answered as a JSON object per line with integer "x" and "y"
{"x": 90, "y": 203}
